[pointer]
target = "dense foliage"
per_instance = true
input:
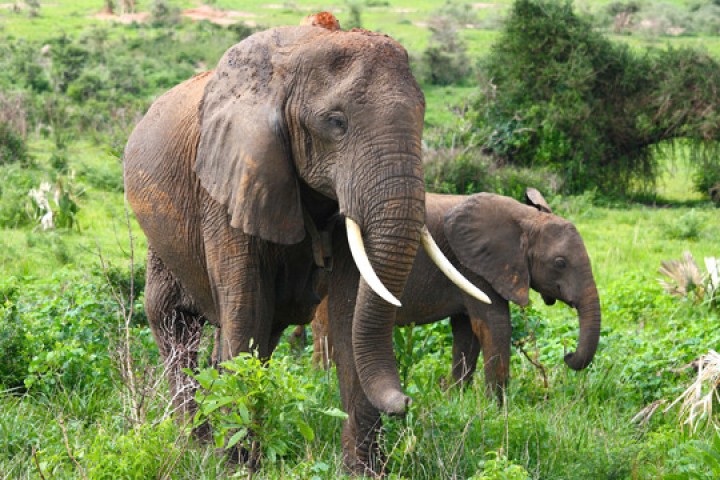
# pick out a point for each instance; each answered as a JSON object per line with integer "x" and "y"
{"x": 557, "y": 93}
{"x": 99, "y": 82}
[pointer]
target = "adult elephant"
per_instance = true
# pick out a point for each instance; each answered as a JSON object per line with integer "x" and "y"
{"x": 235, "y": 174}
{"x": 502, "y": 246}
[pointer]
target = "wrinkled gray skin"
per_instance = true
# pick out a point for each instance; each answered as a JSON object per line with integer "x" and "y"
{"x": 223, "y": 173}
{"x": 503, "y": 247}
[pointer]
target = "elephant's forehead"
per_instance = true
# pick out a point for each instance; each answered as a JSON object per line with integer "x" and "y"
{"x": 557, "y": 230}
{"x": 378, "y": 46}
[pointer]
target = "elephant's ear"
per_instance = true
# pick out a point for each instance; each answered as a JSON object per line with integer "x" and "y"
{"x": 243, "y": 157}
{"x": 535, "y": 199}
{"x": 486, "y": 237}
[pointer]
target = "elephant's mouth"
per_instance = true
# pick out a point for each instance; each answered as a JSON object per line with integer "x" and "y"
{"x": 551, "y": 300}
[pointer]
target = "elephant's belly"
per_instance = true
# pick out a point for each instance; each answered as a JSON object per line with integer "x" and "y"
{"x": 420, "y": 315}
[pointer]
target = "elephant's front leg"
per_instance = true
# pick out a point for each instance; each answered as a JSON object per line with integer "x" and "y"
{"x": 242, "y": 273}
{"x": 466, "y": 349}
{"x": 361, "y": 452}
{"x": 493, "y": 328}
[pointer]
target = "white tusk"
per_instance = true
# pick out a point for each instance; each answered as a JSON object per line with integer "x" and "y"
{"x": 448, "y": 268}
{"x": 357, "y": 248}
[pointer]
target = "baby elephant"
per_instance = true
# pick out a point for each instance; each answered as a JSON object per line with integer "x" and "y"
{"x": 505, "y": 248}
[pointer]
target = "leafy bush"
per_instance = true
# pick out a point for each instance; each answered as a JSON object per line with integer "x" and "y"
{"x": 14, "y": 345}
{"x": 60, "y": 335}
{"x": 99, "y": 83}
{"x": 688, "y": 226}
{"x": 461, "y": 174}
{"x": 12, "y": 146}
{"x": 14, "y": 195}
{"x": 467, "y": 172}
{"x": 706, "y": 180}
{"x": 355, "y": 8}
{"x": 244, "y": 402}
{"x": 558, "y": 94}
{"x": 163, "y": 13}
{"x": 499, "y": 467}
{"x": 445, "y": 60}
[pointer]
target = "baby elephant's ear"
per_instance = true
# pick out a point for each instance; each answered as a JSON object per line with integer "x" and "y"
{"x": 486, "y": 237}
{"x": 534, "y": 198}
{"x": 243, "y": 157}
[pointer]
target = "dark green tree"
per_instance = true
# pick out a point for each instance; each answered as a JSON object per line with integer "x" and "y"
{"x": 558, "y": 94}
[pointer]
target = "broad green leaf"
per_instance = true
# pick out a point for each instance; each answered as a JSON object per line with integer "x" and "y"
{"x": 305, "y": 430}
{"x": 335, "y": 412}
{"x": 239, "y": 435}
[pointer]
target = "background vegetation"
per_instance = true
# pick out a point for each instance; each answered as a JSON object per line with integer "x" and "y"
{"x": 613, "y": 117}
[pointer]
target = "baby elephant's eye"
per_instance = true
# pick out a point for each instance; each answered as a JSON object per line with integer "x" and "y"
{"x": 560, "y": 263}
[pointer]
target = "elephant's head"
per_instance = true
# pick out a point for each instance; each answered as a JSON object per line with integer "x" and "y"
{"x": 516, "y": 247}
{"x": 306, "y": 112}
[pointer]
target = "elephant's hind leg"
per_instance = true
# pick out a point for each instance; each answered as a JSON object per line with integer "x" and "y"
{"x": 177, "y": 331}
{"x": 466, "y": 349}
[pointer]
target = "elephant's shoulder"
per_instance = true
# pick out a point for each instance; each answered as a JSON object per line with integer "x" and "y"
{"x": 187, "y": 94}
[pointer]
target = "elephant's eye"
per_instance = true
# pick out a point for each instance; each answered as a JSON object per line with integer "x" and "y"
{"x": 560, "y": 263}
{"x": 338, "y": 122}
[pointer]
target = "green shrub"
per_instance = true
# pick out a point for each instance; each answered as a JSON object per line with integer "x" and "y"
{"x": 445, "y": 59}
{"x": 14, "y": 200}
{"x": 262, "y": 406}
{"x": 688, "y": 226}
{"x": 574, "y": 207}
{"x": 467, "y": 172}
{"x": 12, "y": 146}
{"x": 89, "y": 84}
{"x": 355, "y": 9}
{"x": 499, "y": 467}
{"x": 69, "y": 59}
{"x": 68, "y": 328}
{"x": 462, "y": 174}
{"x": 558, "y": 94}
{"x": 14, "y": 345}
{"x": 706, "y": 180}
{"x": 162, "y": 13}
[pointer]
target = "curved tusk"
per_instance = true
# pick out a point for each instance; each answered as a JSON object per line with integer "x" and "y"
{"x": 448, "y": 269}
{"x": 357, "y": 248}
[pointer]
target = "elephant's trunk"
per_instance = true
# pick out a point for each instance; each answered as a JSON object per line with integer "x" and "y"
{"x": 589, "y": 315}
{"x": 391, "y": 230}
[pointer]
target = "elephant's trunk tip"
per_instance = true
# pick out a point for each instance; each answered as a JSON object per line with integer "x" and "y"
{"x": 396, "y": 404}
{"x": 576, "y": 362}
